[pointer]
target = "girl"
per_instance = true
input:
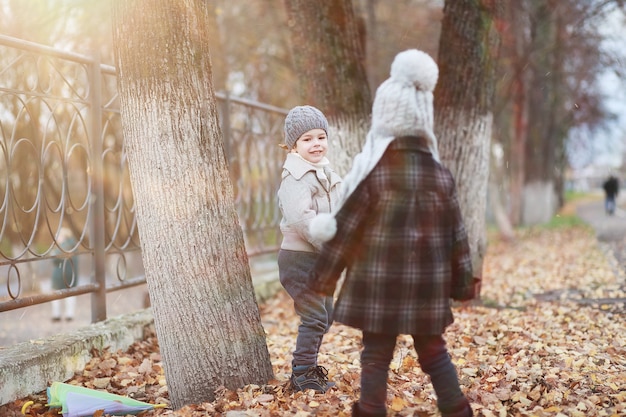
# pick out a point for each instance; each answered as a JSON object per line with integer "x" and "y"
{"x": 401, "y": 236}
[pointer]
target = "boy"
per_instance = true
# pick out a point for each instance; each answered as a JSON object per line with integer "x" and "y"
{"x": 308, "y": 187}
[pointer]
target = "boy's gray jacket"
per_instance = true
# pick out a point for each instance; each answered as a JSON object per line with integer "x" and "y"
{"x": 303, "y": 193}
{"x": 402, "y": 238}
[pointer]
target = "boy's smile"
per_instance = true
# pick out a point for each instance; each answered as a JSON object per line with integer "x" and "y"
{"x": 312, "y": 145}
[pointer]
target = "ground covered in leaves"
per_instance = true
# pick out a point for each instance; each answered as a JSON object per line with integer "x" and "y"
{"x": 547, "y": 340}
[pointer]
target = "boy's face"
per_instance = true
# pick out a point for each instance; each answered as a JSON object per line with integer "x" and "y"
{"x": 312, "y": 145}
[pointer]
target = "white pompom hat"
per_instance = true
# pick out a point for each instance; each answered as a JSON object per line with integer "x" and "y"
{"x": 403, "y": 106}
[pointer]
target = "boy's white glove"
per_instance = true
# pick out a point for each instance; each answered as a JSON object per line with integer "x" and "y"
{"x": 323, "y": 227}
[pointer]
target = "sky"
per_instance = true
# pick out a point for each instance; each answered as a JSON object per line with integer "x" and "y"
{"x": 610, "y": 146}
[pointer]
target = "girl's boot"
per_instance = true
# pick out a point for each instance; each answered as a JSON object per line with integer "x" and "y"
{"x": 356, "y": 412}
{"x": 462, "y": 410}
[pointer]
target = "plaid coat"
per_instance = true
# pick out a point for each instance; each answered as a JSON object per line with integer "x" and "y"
{"x": 402, "y": 238}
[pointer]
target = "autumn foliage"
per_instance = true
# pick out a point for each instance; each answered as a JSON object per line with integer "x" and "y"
{"x": 548, "y": 340}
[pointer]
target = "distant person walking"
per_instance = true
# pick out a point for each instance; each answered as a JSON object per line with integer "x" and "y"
{"x": 400, "y": 235}
{"x": 64, "y": 275}
{"x": 611, "y": 190}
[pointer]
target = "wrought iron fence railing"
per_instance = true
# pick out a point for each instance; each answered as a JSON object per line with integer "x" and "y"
{"x": 60, "y": 133}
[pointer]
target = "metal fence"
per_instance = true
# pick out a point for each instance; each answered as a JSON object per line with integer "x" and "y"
{"x": 60, "y": 130}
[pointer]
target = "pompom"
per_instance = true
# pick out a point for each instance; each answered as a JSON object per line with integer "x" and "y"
{"x": 416, "y": 68}
{"x": 323, "y": 227}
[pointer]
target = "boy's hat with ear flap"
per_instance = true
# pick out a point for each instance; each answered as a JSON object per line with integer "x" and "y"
{"x": 300, "y": 120}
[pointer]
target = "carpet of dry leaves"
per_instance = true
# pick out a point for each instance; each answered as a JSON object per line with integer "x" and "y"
{"x": 548, "y": 340}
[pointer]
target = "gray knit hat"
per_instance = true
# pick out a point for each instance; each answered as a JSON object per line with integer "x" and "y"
{"x": 300, "y": 120}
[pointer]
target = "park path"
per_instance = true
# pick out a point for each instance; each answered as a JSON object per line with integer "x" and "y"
{"x": 610, "y": 230}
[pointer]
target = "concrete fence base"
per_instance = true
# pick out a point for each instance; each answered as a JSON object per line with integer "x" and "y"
{"x": 29, "y": 367}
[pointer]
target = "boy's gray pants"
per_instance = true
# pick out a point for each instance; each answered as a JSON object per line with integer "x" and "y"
{"x": 315, "y": 310}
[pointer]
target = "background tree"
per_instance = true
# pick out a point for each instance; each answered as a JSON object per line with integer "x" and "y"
{"x": 205, "y": 312}
{"x": 394, "y": 26}
{"x": 548, "y": 89}
{"x": 464, "y": 107}
{"x": 327, "y": 45}
{"x": 539, "y": 200}
{"x": 563, "y": 92}
{"x": 511, "y": 116}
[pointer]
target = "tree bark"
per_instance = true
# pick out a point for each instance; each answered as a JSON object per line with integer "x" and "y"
{"x": 328, "y": 45}
{"x": 498, "y": 210}
{"x": 205, "y": 312}
{"x": 539, "y": 200}
{"x": 517, "y": 44}
{"x": 463, "y": 108}
{"x": 219, "y": 63}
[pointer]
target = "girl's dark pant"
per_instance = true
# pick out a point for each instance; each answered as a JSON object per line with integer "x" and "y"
{"x": 434, "y": 360}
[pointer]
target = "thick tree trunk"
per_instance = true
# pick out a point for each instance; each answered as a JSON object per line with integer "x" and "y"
{"x": 327, "y": 44}
{"x": 463, "y": 108}
{"x": 205, "y": 312}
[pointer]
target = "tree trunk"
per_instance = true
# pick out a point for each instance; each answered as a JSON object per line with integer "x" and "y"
{"x": 540, "y": 197}
{"x": 463, "y": 108}
{"x": 205, "y": 312}
{"x": 328, "y": 50}
{"x": 219, "y": 63}
{"x": 515, "y": 42}
{"x": 494, "y": 192}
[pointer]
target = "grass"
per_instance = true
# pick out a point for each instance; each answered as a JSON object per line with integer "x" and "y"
{"x": 567, "y": 217}
{"x": 564, "y": 221}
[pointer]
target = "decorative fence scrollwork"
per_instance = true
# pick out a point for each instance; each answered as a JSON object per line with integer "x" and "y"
{"x": 63, "y": 169}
